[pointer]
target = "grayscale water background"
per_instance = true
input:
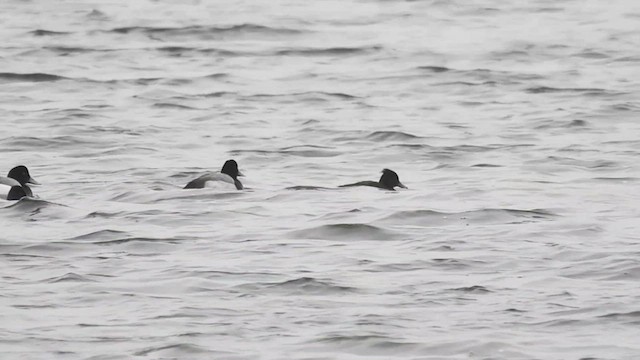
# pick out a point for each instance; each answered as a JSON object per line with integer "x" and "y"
{"x": 515, "y": 126}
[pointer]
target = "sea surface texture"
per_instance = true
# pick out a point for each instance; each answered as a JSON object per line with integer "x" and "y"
{"x": 514, "y": 125}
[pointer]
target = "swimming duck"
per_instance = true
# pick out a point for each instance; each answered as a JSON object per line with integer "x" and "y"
{"x": 388, "y": 181}
{"x": 14, "y": 186}
{"x": 228, "y": 174}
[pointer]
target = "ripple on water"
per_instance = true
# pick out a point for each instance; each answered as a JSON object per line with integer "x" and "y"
{"x": 180, "y": 350}
{"x": 29, "y": 77}
{"x": 57, "y": 142}
{"x": 332, "y": 51}
{"x": 206, "y": 32}
{"x": 69, "y": 277}
{"x": 369, "y": 344}
{"x": 628, "y": 318}
{"x": 309, "y": 285}
{"x": 562, "y": 124}
{"x": 299, "y": 286}
{"x": 346, "y": 232}
{"x": 431, "y": 218}
{"x": 391, "y": 136}
{"x": 323, "y": 95}
{"x": 311, "y": 151}
{"x": 179, "y": 51}
{"x": 475, "y": 289}
{"x": 577, "y": 91}
{"x": 435, "y": 69}
{"x": 440, "y": 264}
{"x": 101, "y": 235}
{"x": 166, "y": 105}
{"x": 42, "y": 32}
{"x": 30, "y": 206}
{"x": 127, "y": 240}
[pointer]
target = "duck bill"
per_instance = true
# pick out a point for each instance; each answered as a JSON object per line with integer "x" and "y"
{"x": 32, "y": 181}
{"x": 402, "y": 186}
{"x": 240, "y": 174}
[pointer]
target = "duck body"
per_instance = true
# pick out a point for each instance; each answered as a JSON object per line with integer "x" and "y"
{"x": 18, "y": 192}
{"x": 228, "y": 174}
{"x": 388, "y": 181}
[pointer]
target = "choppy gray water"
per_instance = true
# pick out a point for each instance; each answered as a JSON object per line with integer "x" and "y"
{"x": 515, "y": 126}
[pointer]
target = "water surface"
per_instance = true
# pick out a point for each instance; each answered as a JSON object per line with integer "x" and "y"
{"x": 513, "y": 125}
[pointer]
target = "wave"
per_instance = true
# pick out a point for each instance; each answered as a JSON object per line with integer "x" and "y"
{"x": 308, "y": 285}
{"x": 486, "y": 165}
{"x": 330, "y": 94}
{"x": 19, "y": 257}
{"x": 306, "y": 187}
{"x": 413, "y": 146}
{"x": 42, "y": 32}
{"x": 547, "y": 89}
{"x": 632, "y": 317}
{"x": 345, "y": 231}
{"x": 431, "y": 218}
{"x": 391, "y": 136}
{"x": 30, "y": 77}
{"x": 29, "y": 205}
{"x": 616, "y": 179}
{"x": 330, "y": 51}
{"x": 177, "y": 193}
{"x": 477, "y": 77}
{"x": 381, "y": 345}
{"x": 181, "y": 50}
{"x": 311, "y": 151}
{"x": 435, "y": 69}
{"x": 138, "y": 239}
{"x": 633, "y": 58}
{"x": 58, "y": 142}
{"x": 469, "y": 148}
{"x": 97, "y": 15}
{"x": 465, "y": 83}
{"x": 592, "y": 55}
{"x": 69, "y": 277}
{"x": 170, "y": 81}
{"x": 174, "y": 350}
{"x": 333, "y": 51}
{"x": 306, "y": 146}
{"x": 205, "y": 31}
{"x": 559, "y": 124}
{"x": 220, "y": 94}
{"x": 308, "y": 95}
{"x": 445, "y": 264}
{"x": 100, "y": 235}
{"x": 449, "y": 264}
{"x": 599, "y": 164}
{"x": 164, "y": 105}
{"x": 44, "y": 77}
{"x": 476, "y": 289}
{"x": 626, "y": 106}
{"x": 65, "y": 50}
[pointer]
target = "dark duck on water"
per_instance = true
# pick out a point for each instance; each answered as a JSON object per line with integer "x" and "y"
{"x": 229, "y": 174}
{"x": 14, "y": 186}
{"x": 388, "y": 181}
